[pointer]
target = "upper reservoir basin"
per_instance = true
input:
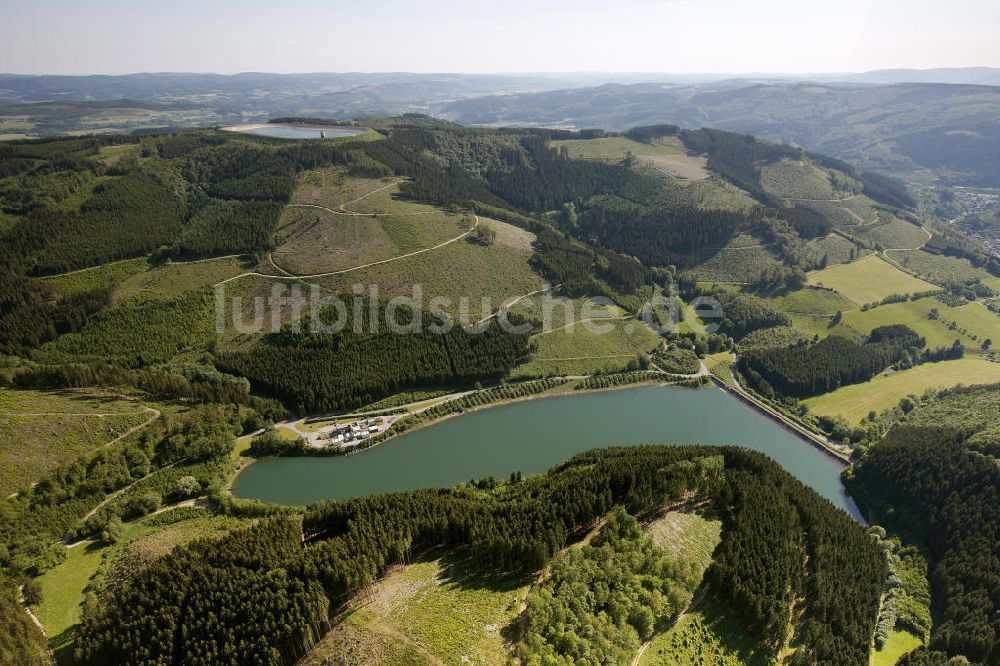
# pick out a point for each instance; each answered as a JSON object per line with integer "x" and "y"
{"x": 294, "y": 132}
{"x": 534, "y": 435}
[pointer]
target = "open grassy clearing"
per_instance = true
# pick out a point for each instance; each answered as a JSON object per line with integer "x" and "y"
{"x": 688, "y": 536}
{"x": 938, "y": 268}
{"x": 437, "y": 610}
{"x": 666, "y": 155}
{"x": 868, "y": 280}
{"x": 853, "y": 212}
{"x": 174, "y": 278}
{"x": 41, "y": 430}
{"x": 899, "y": 643}
{"x": 579, "y": 351}
{"x": 716, "y": 193}
{"x": 499, "y": 272}
{"x": 970, "y": 323}
{"x": 63, "y": 589}
{"x": 897, "y": 233}
{"x": 811, "y": 301}
{"x": 550, "y": 312}
{"x": 114, "y": 273}
{"x": 819, "y": 325}
{"x": 837, "y": 249}
{"x": 707, "y": 636}
{"x": 356, "y": 639}
{"x": 855, "y": 401}
{"x": 993, "y": 283}
{"x": 743, "y": 259}
{"x": 112, "y": 155}
{"x": 95, "y": 564}
{"x": 153, "y": 536}
{"x": 613, "y": 148}
{"x": 794, "y": 179}
{"x": 317, "y": 240}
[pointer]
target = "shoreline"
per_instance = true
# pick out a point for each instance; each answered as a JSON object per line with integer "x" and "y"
{"x": 427, "y": 424}
{"x": 800, "y": 432}
{"x": 566, "y": 390}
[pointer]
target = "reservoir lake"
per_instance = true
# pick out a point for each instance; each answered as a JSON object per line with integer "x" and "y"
{"x": 532, "y": 436}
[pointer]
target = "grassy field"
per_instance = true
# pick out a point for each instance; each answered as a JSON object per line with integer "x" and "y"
{"x": 500, "y": 272}
{"x": 812, "y": 301}
{"x": 63, "y": 588}
{"x": 868, "y": 280}
{"x": 547, "y": 313}
{"x": 851, "y": 213}
{"x": 970, "y": 323}
{"x": 938, "y": 268}
{"x": 742, "y": 259}
{"x": 174, "y": 278}
{"x": 433, "y": 611}
{"x": 896, "y": 233}
{"x": 95, "y": 564}
{"x": 708, "y": 636}
{"x": 114, "y": 273}
{"x": 853, "y": 402}
{"x": 666, "y": 155}
{"x": 837, "y": 249}
{"x": 41, "y": 430}
{"x": 899, "y": 643}
{"x": 318, "y": 241}
{"x": 580, "y": 351}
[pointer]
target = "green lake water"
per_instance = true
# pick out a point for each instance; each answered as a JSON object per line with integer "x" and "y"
{"x": 534, "y": 435}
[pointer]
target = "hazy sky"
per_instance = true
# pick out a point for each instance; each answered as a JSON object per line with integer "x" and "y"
{"x": 226, "y": 36}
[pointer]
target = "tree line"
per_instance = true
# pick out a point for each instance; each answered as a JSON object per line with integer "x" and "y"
{"x": 515, "y": 527}
{"x": 811, "y": 369}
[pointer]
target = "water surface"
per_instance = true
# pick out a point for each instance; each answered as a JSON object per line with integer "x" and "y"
{"x": 281, "y": 132}
{"x": 533, "y": 436}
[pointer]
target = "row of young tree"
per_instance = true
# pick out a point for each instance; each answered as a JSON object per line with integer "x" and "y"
{"x": 811, "y": 369}
{"x": 172, "y": 611}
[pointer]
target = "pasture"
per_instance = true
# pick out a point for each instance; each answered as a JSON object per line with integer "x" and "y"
{"x": 666, "y": 155}
{"x": 970, "y": 323}
{"x": 811, "y": 301}
{"x": 855, "y": 401}
{"x": 868, "y": 280}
